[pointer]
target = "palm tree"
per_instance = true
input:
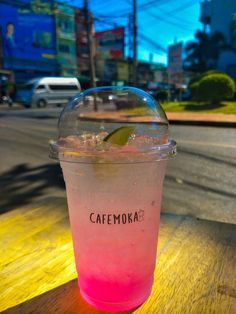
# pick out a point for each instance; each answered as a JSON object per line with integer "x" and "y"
{"x": 203, "y": 53}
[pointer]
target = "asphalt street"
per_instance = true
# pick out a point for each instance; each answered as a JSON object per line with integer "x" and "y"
{"x": 199, "y": 182}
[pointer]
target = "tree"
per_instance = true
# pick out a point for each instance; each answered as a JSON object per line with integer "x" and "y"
{"x": 233, "y": 32}
{"x": 193, "y": 84}
{"x": 203, "y": 53}
{"x": 215, "y": 87}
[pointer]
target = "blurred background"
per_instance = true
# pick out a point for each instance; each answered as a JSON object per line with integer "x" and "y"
{"x": 181, "y": 52}
{"x": 156, "y": 45}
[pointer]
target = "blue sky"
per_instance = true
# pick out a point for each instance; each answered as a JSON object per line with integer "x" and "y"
{"x": 160, "y": 22}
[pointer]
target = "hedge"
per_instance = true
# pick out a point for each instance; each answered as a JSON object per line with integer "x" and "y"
{"x": 215, "y": 87}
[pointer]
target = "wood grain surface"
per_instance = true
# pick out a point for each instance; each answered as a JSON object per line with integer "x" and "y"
{"x": 195, "y": 272}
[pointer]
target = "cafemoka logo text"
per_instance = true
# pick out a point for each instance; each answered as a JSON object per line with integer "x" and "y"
{"x": 117, "y": 219}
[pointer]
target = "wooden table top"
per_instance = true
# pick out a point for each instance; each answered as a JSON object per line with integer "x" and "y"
{"x": 195, "y": 271}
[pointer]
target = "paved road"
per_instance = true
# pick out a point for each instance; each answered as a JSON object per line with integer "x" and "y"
{"x": 199, "y": 182}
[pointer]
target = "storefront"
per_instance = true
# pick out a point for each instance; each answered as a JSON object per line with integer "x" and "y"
{"x": 28, "y": 42}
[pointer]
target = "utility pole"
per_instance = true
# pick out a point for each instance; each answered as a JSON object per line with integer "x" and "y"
{"x": 130, "y": 46}
{"x": 88, "y": 23}
{"x": 130, "y": 31}
{"x": 134, "y": 42}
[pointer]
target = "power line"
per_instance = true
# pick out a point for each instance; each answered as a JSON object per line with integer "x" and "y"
{"x": 153, "y": 43}
{"x": 158, "y": 18}
{"x": 134, "y": 14}
{"x": 125, "y": 12}
{"x": 104, "y": 5}
{"x": 178, "y": 23}
{"x": 180, "y": 20}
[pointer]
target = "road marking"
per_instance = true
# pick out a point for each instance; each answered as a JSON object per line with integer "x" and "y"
{"x": 206, "y": 144}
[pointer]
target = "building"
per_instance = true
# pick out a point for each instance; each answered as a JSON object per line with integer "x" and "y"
{"x": 28, "y": 41}
{"x": 112, "y": 70}
{"x": 110, "y": 63}
{"x": 37, "y": 38}
{"x": 145, "y": 73}
{"x": 160, "y": 73}
{"x": 220, "y": 16}
{"x": 66, "y": 40}
{"x": 110, "y": 43}
{"x": 82, "y": 52}
{"x": 175, "y": 65}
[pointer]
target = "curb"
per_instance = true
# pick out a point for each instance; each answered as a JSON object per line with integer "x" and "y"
{"x": 217, "y": 120}
{"x": 221, "y": 120}
{"x": 223, "y": 124}
{"x": 202, "y": 119}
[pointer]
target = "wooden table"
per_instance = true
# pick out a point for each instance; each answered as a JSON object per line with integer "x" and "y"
{"x": 195, "y": 273}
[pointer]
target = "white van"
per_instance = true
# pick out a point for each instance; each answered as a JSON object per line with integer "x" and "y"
{"x": 47, "y": 91}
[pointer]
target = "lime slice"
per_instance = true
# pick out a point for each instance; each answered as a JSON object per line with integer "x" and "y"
{"x": 119, "y": 136}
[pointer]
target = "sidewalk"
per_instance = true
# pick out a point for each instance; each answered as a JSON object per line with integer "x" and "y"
{"x": 182, "y": 118}
{"x": 208, "y": 119}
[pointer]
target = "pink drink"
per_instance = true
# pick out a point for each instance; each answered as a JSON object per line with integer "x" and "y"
{"x": 114, "y": 213}
{"x": 114, "y": 164}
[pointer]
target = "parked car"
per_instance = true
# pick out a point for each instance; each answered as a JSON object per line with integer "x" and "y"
{"x": 47, "y": 91}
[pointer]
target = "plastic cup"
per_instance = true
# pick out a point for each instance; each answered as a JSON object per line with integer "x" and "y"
{"x": 114, "y": 194}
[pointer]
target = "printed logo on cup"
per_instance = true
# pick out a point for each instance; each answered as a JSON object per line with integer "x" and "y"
{"x": 117, "y": 219}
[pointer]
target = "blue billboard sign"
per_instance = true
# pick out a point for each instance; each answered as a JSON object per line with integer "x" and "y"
{"x": 28, "y": 38}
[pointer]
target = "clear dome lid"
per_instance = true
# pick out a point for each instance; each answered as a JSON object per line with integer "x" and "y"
{"x": 113, "y": 124}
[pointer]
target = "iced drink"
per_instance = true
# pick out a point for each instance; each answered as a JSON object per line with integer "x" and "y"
{"x": 114, "y": 213}
{"x": 114, "y": 197}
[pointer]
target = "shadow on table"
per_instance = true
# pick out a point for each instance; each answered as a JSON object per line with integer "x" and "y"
{"x": 61, "y": 300}
{"x": 23, "y": 183}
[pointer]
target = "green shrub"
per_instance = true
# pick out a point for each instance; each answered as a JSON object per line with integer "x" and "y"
{"x": 215, "y": 87}
{"x": 197, "y": 78}
{"x": 235, "y": 89}
{"x": 162, "y": 95}
{"x": 194, "y": 90}
{"x": 212, "y": 72}
{"x": 194, "y": 80}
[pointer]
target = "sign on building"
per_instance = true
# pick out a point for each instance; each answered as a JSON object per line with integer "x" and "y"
{"x": 28, "y": 39}
{"x": 123, "y": 71}
{"x": 110, "y": 43}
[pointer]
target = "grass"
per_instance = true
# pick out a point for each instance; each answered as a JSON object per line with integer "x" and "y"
{"x": 226, "y": 107}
